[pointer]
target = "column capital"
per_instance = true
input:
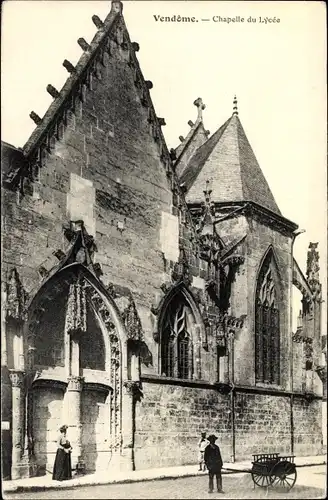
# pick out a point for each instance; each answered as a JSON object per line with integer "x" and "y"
{"x": 75, "y": 383}
{"x": 17, "y": 378}
{"x": 131, "y": 387}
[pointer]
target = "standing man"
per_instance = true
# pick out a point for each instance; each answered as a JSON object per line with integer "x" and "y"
{"x": 202, "y": 443}
{"x": 213, "y": 461}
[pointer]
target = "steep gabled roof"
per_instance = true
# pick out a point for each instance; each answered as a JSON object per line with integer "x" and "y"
{"x": 228, "y": 161}
{"x": 77, "y": 74}
{"x": 196, "y": 137}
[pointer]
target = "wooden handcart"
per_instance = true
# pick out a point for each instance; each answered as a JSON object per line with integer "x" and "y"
{"x": 272, "y": 470}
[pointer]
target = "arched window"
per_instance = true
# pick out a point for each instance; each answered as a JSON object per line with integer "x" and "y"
{"x": 176, "y": 341}
{"x": 267, "y": 324}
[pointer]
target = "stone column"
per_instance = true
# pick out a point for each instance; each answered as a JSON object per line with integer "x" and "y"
{"x": 17, "y": 381}
{"x": 73, "y": 400}
{"x": 4, "y": 359}
{"x": 130, "y": 389}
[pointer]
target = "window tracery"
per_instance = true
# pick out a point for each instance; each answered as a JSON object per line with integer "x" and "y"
{"x": 267, "y": 326}
{"x": 176, "y": 341}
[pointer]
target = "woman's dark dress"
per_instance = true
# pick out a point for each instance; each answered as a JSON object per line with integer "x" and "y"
{"x": 62, "y": 466}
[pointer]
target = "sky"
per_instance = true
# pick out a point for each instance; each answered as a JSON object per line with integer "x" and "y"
{"x": 276, "y": 69}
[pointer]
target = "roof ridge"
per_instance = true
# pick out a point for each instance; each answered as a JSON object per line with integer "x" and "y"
{"x": 188, "y": 174}
{"x": 83, "y": 65}
{"x": 238, "y": 122}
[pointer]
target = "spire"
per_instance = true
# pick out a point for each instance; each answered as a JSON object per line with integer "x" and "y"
{"x": 235, "y": 106}
{"x": 228, "y": 159}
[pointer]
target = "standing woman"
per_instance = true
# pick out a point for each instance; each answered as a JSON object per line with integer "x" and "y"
{"x": 62, "y": 466}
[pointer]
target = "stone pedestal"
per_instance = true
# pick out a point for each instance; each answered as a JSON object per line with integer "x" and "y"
{"x": 73, "y": 401}
{"x": 17, "y": 381}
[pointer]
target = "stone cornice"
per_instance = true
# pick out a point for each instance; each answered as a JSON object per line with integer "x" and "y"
{"x": 225, "y": 388}
{"x": 250, "y": 208}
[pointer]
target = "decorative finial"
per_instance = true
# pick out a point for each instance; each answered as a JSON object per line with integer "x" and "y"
{"x": 83, "y": 44}
{"x": 135, "y": 46}
{"x": 69, "y": 66}
{"x": 235, "y": 106}
{"x": 37, "y": 120}
{"x": 52, "y": 91}
{"x": 117, "y": 6}
{"x": 208, "y": 190}
{"x": 97, "y": 22}
{"x": 201, "y": 106}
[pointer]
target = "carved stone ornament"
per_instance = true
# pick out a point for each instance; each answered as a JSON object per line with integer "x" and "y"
{"x": 132, "y": 321}
{"x": 209, "y": 247}
{"x": 83, "y": 244}
{"x": 312, "y": 271}
{"x": 75, "y": 384}
{"x": 312, "y": 264}
{"x": 132, "y": 387}
{"x": 16, "y": 297}
{"x": 181, "y": 272}
{"x": 115, "y": 363}
{"x": 76, "y": 316}
{"x": 223, "y": 388}
{"x": 17, "y": 378}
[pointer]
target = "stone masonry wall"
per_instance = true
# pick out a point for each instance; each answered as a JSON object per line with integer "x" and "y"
{"x": 103, "y": 166}
{"x": 262, "y": 424}
{"x": 47, "y": 418}
{"x": 307, "y": 427}
{"x": 169, "y": 420}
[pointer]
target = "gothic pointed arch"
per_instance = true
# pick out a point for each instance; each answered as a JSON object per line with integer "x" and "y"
{"x": 83, "y": 311}
{"x": 82, "y": 296}
{"x": 267, "y": 320}
{"x": 179, "y": 327}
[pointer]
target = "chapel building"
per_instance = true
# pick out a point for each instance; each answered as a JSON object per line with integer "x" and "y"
{"x": 147, "y": 292}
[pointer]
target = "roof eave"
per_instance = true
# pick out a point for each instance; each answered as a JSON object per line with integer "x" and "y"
{"x": 250, "y": 205}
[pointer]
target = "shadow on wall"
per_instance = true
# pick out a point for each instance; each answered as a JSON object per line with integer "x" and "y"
{"x": 146, "y": 356}
{"x": 96, "y": 451}
{"x": 47, "y": 418}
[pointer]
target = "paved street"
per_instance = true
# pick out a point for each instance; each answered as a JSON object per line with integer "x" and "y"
{"x": 311, "y": 483}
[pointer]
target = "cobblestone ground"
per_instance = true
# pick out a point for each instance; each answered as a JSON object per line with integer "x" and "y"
{"x": 237, "y": 486}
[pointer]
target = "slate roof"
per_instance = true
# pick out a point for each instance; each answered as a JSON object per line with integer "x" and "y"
{"x": 227, "y": 159}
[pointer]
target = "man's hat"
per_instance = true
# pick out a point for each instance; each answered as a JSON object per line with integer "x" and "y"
{"x": 212, "y": 438}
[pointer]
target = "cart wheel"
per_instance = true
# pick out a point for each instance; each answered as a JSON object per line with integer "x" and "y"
{"x": 283, "y": 476}
{"x": 261, "y": 480}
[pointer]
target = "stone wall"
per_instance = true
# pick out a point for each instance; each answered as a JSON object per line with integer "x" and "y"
{"x": 262, "y": 424}
{"x": 47, "y": 418}
{"x": 169, "y": 420}
{"x": 95, "y": 421}
{"x": 307, "y": 426}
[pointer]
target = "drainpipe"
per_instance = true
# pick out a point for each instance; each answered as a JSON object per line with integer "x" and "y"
{"x": 292, "y": 424}
{"x": 232, "y": 396}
